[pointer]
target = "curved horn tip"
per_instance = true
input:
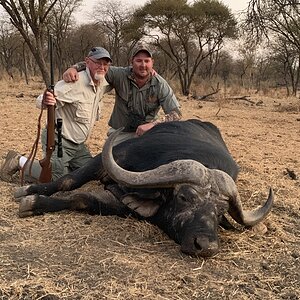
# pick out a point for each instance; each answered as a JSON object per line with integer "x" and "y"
{"x": 111, "y": 138}
{"x": 115, "y": 133}
{"x": 254, "y": 217}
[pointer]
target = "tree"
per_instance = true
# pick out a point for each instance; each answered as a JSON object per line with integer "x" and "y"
{"x": 186, "y": 33}
{"x": 274, "y": 17}
{"x": 113, "y": 17}
{"x": 279, "y": 21}
{"x": 31, "y": 18}
{"x": 247, "y": 51}
{"x": 288, "y": 58}
{"x": 60, "y": 22}
{"x": 10, "y": 46}
{"x": 80, "y": 40}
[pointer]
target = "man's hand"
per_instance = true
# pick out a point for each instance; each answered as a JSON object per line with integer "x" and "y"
{"x": 48, "y": 99}
{"x": 143, "y": 128}
{"x": 71, "y": 75}
{"x": 153, "y": 72}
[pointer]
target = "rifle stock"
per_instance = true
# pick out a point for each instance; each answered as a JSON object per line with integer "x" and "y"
{"x": 46, "y": 173}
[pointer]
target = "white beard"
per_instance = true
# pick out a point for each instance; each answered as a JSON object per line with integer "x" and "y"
{"x": 99, "y": 78}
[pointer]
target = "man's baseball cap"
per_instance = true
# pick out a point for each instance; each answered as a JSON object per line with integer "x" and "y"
{"x": 99, "y": 52}
{"x": 139, "y": 48}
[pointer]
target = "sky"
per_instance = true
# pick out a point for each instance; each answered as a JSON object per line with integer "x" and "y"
{"x": 235, "y": 5}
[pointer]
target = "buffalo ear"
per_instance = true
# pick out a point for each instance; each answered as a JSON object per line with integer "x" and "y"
{"x": 144, "y": 207}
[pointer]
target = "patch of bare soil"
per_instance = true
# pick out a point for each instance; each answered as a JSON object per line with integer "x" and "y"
{"x": 77, "y": 256}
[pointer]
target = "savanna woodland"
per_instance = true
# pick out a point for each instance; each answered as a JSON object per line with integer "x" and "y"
{"x": 239, "y": 71}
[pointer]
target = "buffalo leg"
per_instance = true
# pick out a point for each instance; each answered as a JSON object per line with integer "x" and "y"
{"x": 104, "y": 203}
{"x": 93, "y": 170}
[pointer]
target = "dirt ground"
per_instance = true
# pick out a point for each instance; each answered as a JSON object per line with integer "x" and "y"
{"x": 77, "y": 256}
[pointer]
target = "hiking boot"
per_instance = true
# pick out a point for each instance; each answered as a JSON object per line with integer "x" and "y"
{"x": 10, "y": 165}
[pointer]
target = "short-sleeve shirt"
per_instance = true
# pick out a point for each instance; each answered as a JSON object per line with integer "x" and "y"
{"x": 140, "y": 103}
{"x": 79, "y": 105}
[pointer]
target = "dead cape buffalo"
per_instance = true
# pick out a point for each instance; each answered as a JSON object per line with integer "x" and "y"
{"x": 179, "y": 176}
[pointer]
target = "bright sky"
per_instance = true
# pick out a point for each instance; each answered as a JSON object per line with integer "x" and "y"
{"x": 235, "y": 5}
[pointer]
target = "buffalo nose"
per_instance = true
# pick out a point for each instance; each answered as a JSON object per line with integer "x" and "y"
{"x": 206, "y": 248}
{"x": 200, "y": 246}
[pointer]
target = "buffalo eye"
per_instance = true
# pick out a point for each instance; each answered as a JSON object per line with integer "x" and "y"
{"x": 186, "y": 194}
{"x": 181, "y": 197}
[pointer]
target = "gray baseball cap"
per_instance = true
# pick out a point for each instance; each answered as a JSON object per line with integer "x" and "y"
{"x": 139, "y": 48}
{"x": 99, "y": 52}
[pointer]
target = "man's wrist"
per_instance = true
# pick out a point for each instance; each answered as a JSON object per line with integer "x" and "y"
{"x": 75, "y": 67}
{"x": 79, "y": 66}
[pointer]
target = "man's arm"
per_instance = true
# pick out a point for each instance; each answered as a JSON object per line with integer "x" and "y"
{"x": 71, "y": 74}
{"x": 173, "y": 115}
{"x": 169, "y": 102}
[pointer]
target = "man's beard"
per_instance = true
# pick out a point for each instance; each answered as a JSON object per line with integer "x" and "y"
{"x": 99, "y": 77}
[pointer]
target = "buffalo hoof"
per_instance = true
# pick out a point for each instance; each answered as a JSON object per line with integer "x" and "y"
{"x": 21, "y": 192}
{"x": 26, "y": 207}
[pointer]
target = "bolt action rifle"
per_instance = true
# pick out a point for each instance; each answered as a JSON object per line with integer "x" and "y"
{"x": 46, "y": 173}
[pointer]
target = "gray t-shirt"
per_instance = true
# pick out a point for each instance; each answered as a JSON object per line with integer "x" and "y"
{"x": 135, "y": 106}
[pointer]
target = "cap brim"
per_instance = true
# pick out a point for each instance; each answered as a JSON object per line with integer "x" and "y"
{"x": 142, "y": 50}
{"x": 99, "y": 56}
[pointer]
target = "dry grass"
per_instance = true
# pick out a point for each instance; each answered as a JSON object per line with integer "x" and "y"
{"x": 76, "y": 256}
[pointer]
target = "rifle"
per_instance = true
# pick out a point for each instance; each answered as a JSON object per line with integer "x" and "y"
{"x": 46, "y": 173}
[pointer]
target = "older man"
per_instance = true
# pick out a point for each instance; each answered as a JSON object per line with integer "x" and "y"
{"x": 78, "y": 105}
{"x": 140, "y": 93}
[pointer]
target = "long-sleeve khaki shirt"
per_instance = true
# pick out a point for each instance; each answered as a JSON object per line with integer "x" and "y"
{"x": 78, "y": 104}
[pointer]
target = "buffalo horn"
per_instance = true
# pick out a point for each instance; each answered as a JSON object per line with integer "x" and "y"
{"x": 168, "y": 175}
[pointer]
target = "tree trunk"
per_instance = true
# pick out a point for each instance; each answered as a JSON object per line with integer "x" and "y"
{"x": 25, "y": 64}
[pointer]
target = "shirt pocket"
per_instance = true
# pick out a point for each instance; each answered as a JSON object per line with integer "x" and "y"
{"x": 151, "y": 104}
{"x": 83, "y": 112}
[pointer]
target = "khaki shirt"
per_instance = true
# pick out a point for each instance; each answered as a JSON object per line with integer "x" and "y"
{"x": 141, "y": 104}
{"x": 79, "y": 105}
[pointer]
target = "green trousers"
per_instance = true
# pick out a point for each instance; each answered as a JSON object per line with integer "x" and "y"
{"x": 74, "y": 157}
